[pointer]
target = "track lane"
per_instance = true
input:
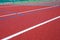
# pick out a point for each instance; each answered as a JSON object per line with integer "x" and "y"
{"x": 19, "y": 22}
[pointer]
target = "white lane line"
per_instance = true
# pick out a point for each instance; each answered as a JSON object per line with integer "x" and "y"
{"x": 28, "y": 29}
{"x": 29, "y": 11}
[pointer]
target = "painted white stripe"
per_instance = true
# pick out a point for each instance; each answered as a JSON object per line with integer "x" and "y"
{"x": 28, "y": 29}
{"x": 29, "y": 11}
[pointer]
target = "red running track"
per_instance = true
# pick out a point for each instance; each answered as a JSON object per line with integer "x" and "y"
{"x": 12, "y": 24}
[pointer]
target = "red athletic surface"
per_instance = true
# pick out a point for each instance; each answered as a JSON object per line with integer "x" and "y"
{"x": 11, "y": 25}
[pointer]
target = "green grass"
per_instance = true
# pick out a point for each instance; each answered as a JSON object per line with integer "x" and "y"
{"x": 17, "y": 2}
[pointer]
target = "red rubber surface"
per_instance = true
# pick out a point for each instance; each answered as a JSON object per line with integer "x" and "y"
{"x": 11, "y": 25}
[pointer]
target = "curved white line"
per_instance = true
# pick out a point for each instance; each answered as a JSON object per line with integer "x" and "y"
{"x": 29, "y": 11}
{"x": 28, "y": 29}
